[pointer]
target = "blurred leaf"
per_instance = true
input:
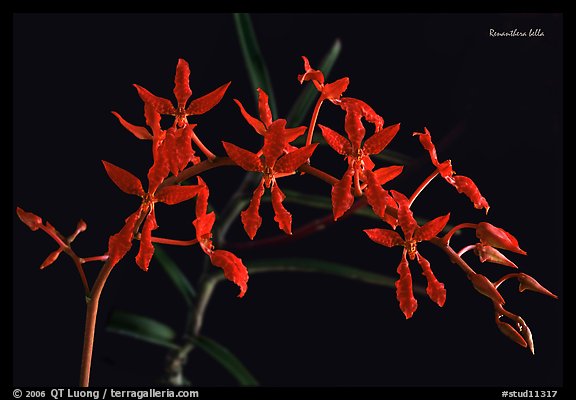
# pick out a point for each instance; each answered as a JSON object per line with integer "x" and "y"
{"x": 394, "y": 157}
{"x": 175, "y": 274}
{"x": 325, "y": 203}
{"x": 304, "y": 103}
{"x": 142, "y": 328}
{"x": 324, "y": 267}
{"x": 319, "y": 202}
{"x": 227, "y": 360}
{"x": 253, "y": 58}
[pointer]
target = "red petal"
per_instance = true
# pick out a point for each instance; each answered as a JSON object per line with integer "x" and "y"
{"x": 529, "y": 283}
{"x": 160, "y": 104}
{"x": 465, "y": 185}
{"x": 176, "y": 194}
{"x": 281, "y": 215}
{"x": 354, "y": 128}
{"x": 510, "y": 332}
{"x": 386, "y": 174}
{"x": 385, "y": 237}
{"x": 139, "y": 131}
{"x": 426, "y": 142}
{"x": 182, "y": 89}
{"x": 368, "y": 163}
{"x": 292, "y": 134}
{"x": 485, "y": 287}
{"x": 207, "y": 102}
{"x": 120, "y": 243}
{"x": 496, "y": 237}
{"x": 333, "y": 91}
{"x": 185, "y": 153}
{"x": 310, "y": 74}
{"x": 375, "y": 195}
{"x": 377, "y": 142}
{"x": 127, "y": 182}
{"x": 203, "y": 225}
{"x": 244, "y": 158}
{"x": 404, "y": 293}
{"x": 234, "y": 269}
{"x": 255, "y": 123}
{"x": 431, "y": 228}
{"x": 293, "y": 160}
{"x": 338, "y": 142}
{"x": 526, "y": 333}
{"x": 31, "y": 220}
{"x": 161, "y": 167}
{"x": 264, "y": 108}
{"x": 405, "y": 217}
{"x": 274, "y": 142}
{"x": 51, "y": 258}
{"x": 445, "y": 170}
{"x": 490, "y": 254}
{"x": 152, "y": 118}
{"x": 435, "y": 289}
{"x": 250, "y": 217}
{"x": 170, "y": 151}
{"x": 391, "y": 205}
{"x": 146, "y": 250}
{"x": 350, "y": 104}
{"x": 202, "y": 198}
{"x": 342, "y": 197}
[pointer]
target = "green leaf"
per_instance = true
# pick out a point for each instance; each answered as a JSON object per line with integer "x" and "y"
{"x": 318, "y": 202}
{"x": 175, "y": 274}
{"x": 394, "y": 157}
{"x": 253, "y": 58}
{"x": 227, "y": 360}
{"x": 142, "y": 328}
{"x": 325, "y": 203}
{"x": 323, "y": 267}
{"x": 304, "y": 103}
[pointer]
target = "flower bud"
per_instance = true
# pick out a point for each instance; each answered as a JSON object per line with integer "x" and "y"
{"x": 492, "y": 236}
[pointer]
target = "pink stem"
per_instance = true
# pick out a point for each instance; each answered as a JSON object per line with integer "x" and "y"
{"x": 422, "y": 186}
{"x": 203, "y": 148}
{"x": 313, "y": 120}
{"x": 466, "y": 249}
{"x": 452, "y": 231}
{"x": 95, "y": 258}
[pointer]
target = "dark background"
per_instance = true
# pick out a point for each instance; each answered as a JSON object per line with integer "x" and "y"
{"x": 495, "y": 103}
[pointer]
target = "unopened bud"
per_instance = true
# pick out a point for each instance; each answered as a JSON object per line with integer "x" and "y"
{"x": 485, "y": 287}
{"x": 496, "y": 237}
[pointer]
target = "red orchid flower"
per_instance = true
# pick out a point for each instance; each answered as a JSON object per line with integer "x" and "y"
{"x": 274, "y": 165}
{"x": 173, "y": 144}
{"x": 329, "y": 91}
{"x": 360, "y": 165}
{"x": 34, "y": 222}
{"x": 462, "y": 183}
{"x": 262, "y": 125}
{"x": 413, "y": 233}
{"x": 182, "y": 92}
{"x": 120, "y": 243}
{"x": 234, "y": 269}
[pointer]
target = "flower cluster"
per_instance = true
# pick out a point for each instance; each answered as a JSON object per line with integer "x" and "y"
{"x": 175, "y": 160}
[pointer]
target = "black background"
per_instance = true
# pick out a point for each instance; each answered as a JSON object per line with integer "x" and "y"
{"x": 495, "y": 103}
